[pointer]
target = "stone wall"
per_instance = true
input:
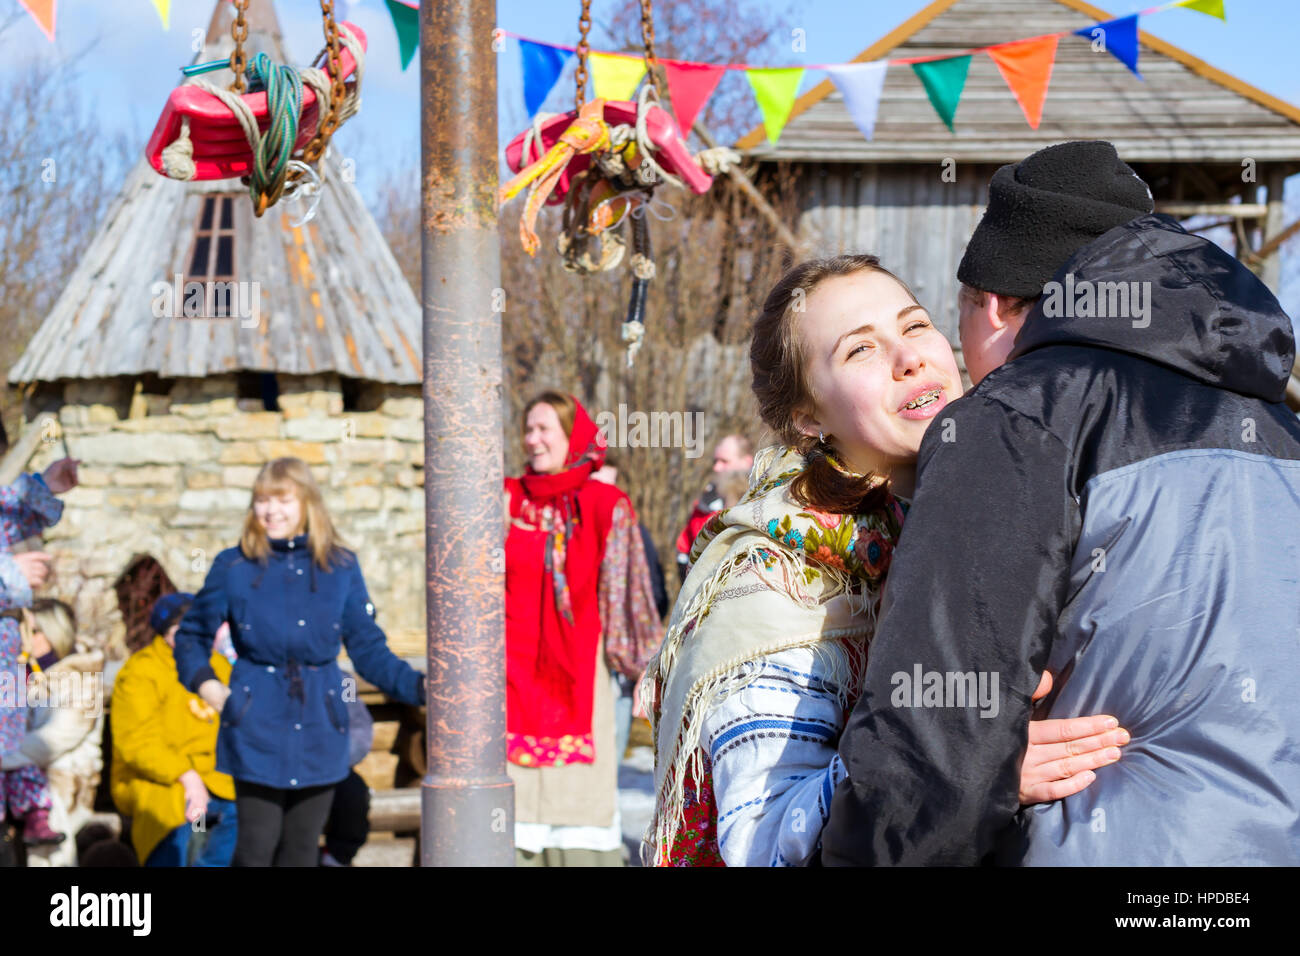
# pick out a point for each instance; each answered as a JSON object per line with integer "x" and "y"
{"x": 170, "y": 475}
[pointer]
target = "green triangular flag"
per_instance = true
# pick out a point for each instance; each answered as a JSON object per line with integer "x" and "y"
{"x": 943, "y": 81}
{"x": 406, "y": 20}
{"x": 1213, "y": 8}
{"x": 775, "y": 91}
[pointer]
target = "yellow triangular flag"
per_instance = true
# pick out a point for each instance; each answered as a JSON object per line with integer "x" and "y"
{"x": 615, "y": 77}
{"x": 1213, "y": 8}
{"x": 775, "y": 91}
{"x": 164, "y": 8}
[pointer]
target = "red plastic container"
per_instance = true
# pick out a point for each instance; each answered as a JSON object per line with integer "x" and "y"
{"x": 670, "y": 152}
{"x": 220, "y": 147}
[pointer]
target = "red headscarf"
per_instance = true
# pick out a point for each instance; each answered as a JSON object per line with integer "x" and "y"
{"x": 554, "y": 550}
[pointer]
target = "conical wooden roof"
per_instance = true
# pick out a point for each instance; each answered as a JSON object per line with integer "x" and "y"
{"x": 331, "y": 297}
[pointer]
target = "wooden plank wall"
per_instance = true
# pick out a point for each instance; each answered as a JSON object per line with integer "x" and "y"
{"x": 906, "y": 214}
{"x": 1170, "y": 113}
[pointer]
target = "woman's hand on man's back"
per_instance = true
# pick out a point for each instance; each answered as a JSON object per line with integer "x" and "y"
{"x": 1063, "y": 754}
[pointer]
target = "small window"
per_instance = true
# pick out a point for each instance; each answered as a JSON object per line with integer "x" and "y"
{"x": 257, "y": 391}
{"x": 212, "y": 257}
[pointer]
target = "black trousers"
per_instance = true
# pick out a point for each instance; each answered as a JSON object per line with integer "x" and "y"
{"x": 280, "y": 827}
{"x": 349, "y": 820}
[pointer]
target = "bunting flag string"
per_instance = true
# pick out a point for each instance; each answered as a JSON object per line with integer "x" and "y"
{"x": 861, "y": 85}
{"x": 1027, "y": 69}
{"x": 1213, "y": 8}
{"x": 943, "y": 81}
{"x": 406, "y": 21}
{"x": 1118, "y": 37}
{"x": 689, "y": 87}
{"x": 542, "y": 67}
{"x": 164, "y": 8}
{"x": 775, "y": 90}
{"x": 1025, "y": 66}
{"x": 615, "y": 76}
{"x": 44, "y": 12}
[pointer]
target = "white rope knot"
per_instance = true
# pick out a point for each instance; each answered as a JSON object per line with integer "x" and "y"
{"x": 643, "y": 267}
{"x": 633, "y": 333}
{"x": 178, "y": 157}
{"x": 718, "y": 159}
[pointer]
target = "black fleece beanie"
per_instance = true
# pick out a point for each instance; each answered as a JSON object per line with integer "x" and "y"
{"x": 1045, "y": 208}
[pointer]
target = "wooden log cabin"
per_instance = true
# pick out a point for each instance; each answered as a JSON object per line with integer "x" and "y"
{"x": 1215, "y": 150}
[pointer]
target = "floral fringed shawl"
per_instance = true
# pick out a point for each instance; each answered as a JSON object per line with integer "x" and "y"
{"x": 767, "y": 574}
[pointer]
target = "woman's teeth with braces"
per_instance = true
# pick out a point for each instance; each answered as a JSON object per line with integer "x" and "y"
{"x": 924, "y": 399}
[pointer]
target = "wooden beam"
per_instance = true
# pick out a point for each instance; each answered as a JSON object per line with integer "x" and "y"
{"x": 395, "y": 811}
{"x": 21, "y": 452}
{"x": 747, "y": 187}
{"x": 1274, "y": 244}
{"x": 1252, "y": 210}
{"x": 1270, "y": 269}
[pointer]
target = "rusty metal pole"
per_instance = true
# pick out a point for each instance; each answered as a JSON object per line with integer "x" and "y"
{"x": 467, "y": 799}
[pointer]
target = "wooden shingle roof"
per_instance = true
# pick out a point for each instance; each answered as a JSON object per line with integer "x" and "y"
{"x": 331, "y": 297}
{"x": 1182, "y": 109}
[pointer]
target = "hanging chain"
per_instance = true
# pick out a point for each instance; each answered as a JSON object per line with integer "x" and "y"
{"x": 328, "y": 123}
{"x": 239, "y": 31}
{"x": 580, "y": 74}
{"x": 648, "y": 36}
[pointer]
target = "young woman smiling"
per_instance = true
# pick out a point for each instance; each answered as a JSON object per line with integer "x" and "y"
{"x": 579, "y": 608}
{"x": 767, "y": 643}
{"x": 294, "y": 596}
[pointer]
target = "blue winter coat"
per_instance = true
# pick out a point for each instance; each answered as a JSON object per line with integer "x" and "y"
{"x": 285, "y": 723}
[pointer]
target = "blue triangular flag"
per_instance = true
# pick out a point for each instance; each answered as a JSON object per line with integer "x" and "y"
{"x": 860, "y": 85}
{"x": 1120, "y": 37}
{"x": 542, "y": 67}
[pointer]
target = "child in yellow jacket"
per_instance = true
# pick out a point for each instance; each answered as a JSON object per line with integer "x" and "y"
{"x": 164, "y": 773}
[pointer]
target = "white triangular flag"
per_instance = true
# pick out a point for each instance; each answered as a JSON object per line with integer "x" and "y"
{"x": 860, "y": 84}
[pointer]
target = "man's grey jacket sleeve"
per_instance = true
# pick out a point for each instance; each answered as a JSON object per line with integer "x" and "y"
{"x": 934, "y": 746}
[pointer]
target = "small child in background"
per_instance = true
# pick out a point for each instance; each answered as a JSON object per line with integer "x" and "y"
{"x": 27, "y": 507}
{"x": 65, "y": 702}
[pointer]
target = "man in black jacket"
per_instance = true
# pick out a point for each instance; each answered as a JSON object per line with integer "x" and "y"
{"x": 1116, "y": 504}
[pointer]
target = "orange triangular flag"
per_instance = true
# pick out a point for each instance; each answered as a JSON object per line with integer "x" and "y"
{"x": 43, "y": 12}
{"x": 1026, "y": 65}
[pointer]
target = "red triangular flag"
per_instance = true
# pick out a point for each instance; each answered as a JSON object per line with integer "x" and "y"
{"x": 689, "y": 87}
{"x": 1027, "y": 67}
{"x": 43, "y": 12}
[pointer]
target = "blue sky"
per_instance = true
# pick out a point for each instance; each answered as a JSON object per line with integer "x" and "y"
{"x": 128, "y": 64}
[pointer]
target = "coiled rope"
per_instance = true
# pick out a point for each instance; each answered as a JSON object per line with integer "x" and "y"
{"x": 273, "y": 150}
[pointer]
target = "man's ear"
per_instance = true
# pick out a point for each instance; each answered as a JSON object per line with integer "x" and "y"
{"x": 990, "y": 312}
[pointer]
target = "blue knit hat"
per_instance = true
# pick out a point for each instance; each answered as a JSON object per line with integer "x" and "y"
{"x": 168, "y": 610}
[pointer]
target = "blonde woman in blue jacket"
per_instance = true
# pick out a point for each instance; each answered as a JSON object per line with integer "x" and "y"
{"x": 294, "y": 596}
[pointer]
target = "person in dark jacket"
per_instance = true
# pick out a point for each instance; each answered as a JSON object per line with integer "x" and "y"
{"x": 1107, "y": 505}
{"x": 293, "y": 595}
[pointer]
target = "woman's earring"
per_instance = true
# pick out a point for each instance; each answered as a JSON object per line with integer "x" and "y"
{"x": 821, "y": 436}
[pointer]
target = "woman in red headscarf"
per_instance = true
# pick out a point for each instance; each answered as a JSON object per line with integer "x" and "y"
{"x": 579, "y": 607}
